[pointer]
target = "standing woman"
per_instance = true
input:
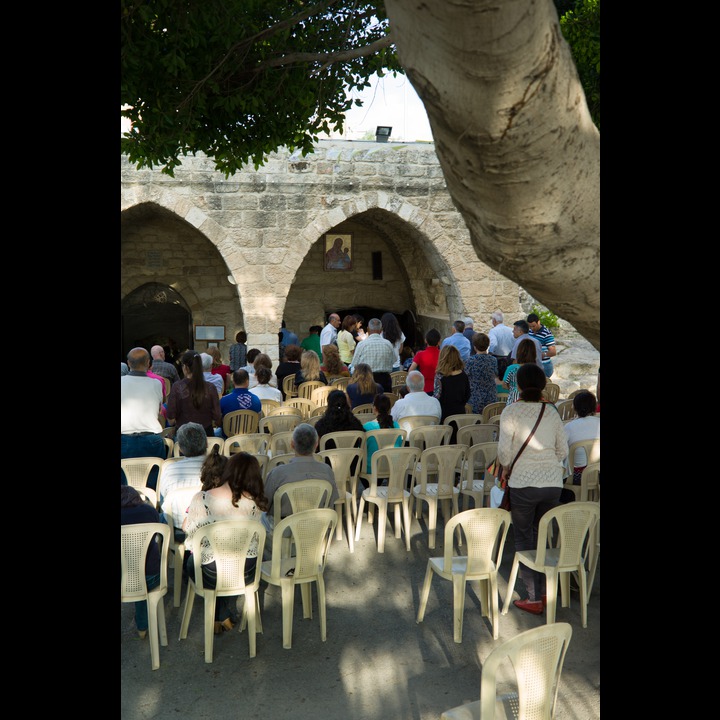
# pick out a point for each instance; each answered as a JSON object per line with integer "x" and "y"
{"x": 346, "y": 340}
{"x": 391, "y": 331}
{"x": 332, "y": 366}
{"x": 452, "y": 385}
{"x": 238, "y": 351}
{"x": 240, "y": 494}
{"x": 193, "y": 399}
{"x": 537, "y": 476}
{"x": 482, "y": 371}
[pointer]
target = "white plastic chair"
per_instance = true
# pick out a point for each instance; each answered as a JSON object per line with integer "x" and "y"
{"x": 134, "y": 543}
{"x": 253, "y": 443}
{"x": 485, "y": 531}
{"x": 346, "y": 479}
{"x": 394, "y": 464}
{"x": 439, "y": 462}
{"x": 535, "y": 658}
{"x": 311, "y": 532}
{"x": 230, "y": 541}
{"x": 492, "y": 409}
{"x": 410, "y": 422}
{"x": 475, "y": 483}
{"x": 481, "y": 432}
{"x": 281, "y": 422}
{"x": 177, "y": 549}
{"x": 575, "y": 522}
{"x": 137, "y": 470}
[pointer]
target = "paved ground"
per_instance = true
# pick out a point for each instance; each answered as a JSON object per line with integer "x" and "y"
{"x": 377, "y": 663}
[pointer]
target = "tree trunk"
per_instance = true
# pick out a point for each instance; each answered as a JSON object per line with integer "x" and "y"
{"x": 514, "y": 137}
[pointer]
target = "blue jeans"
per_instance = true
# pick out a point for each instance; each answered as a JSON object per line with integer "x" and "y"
{"x": 548, "y": 367}
{"x": 141, "y": 610}
{"x": 527, "y": 506}
{"x": 132, "y": 446}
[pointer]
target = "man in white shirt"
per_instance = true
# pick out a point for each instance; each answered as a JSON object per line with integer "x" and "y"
{"x": 180, "y": 480}
{"x": 501, "y": 336}
{"x": 417, "y": 401}
{"x": 329, "y": 333}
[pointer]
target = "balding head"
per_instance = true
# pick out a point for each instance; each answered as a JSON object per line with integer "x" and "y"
{"x": 415, "y": 381}
{"x": 138, "y": 359}
{"x": 375, "y": 326}
{"x": 157, "y": 352}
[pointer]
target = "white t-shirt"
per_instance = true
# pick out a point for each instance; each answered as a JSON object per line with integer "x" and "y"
{"x": 587, "y": 428}
{"x": 396, "y": 348}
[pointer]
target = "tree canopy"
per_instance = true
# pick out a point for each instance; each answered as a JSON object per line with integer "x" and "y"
{"x": 237, "y": 79}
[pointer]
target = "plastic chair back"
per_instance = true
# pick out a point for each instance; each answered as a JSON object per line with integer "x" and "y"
{"x": 134, "y": 543}
{"x": 253, "y": 443}
{"x": 273, "y": 424}
{"x": 364, "y": 408}
{"x": 482, "y": 432}
{"x": 288, "y": 387}
{"x": 137, "y": 470}
{"x": 239, "y": 422}
{"x": 303, "y": 495}
{"x": 536, "y": 659}
{"x": 424, "y": 436}
{"x": 551, "y": 392}
{"x": 340, "y": 383}
{"x": 305, "y": 389}
{"x": 231, "y": 540}
{"x": 412, "y": 421}
{"x": 343, "y": 439}
{"x": 268, "y": 405}
{"x": 566, "y": 410}
{"x": 304, "y": 405}
{"x": 491, "y": 410}
{"x": 320, "y": 394}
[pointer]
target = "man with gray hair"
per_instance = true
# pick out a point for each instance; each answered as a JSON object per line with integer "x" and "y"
{"x": 378, "y": 353}
{"x": 501, "y": 336}
{"x": 182, "y": 477}
{"x": 459, "y": 340}
{"x": 468, "y": 332}
{"x": 303, "y": 466}
{"x": 215, "y": 380}
{"x": 160, "y": 366}
{"x": 417, "y": 401}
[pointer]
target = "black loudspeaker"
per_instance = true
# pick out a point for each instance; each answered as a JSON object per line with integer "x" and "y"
{"x": 377, "y": 265}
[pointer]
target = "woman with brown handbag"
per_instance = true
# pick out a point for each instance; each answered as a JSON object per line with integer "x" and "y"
{"x": 532, "y": 442}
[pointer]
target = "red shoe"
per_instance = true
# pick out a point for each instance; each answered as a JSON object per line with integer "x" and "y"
{"x": 535, "y": 607}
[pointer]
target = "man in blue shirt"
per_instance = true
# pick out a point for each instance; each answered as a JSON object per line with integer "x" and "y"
{"x": 287, "y": 337}
{"x": 459, "y": 340}
{"x": 238, "y": 399}
{"x": 547, "y": 341}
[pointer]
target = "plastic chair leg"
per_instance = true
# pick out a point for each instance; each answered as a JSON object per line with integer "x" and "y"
{"x": 322, "y": 609}
{"x": 287, "y": 587}
{"x": 511, "y": 585}
{"x": 187, "y": 612}
{"x": 424, "y": 593}
{"x": 458, "y": 581}
{"x": 209, "y": 622}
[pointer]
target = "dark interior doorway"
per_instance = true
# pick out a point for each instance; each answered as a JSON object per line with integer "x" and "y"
{"x": 155, "y": 314}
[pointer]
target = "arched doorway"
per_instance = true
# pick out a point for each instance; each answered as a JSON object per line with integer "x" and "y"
{"x": 155, "y": 314}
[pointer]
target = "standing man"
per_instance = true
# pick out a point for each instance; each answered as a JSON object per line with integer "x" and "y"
{"x": 378, "y": 353}
{"x": 459, "y": 340}
{"x": 547, "y": 341}
{"x": 140, "y": 402}
{"x": 468, "y": 332}
{"x": 311, "y": 342}
{"x": 328, "y": 336}
{"x": 287, "y": 337}
{"x": 161, "y": 367}
{"x": 501, "y": 336}
{"x": 521, "y": 330}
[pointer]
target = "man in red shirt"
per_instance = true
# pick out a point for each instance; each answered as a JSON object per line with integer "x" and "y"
{"x": 426, "y": 360}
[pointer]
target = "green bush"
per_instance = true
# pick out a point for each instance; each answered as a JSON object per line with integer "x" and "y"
{"x": 547, "y": 318}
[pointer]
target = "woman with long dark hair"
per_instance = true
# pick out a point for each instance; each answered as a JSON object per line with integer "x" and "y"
{"x": 338, "y": 415}
{"x": 393, "y": 333}
{"x": 193, "y": 399}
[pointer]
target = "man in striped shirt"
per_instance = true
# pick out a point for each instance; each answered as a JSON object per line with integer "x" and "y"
{"x": 546, "y": 339}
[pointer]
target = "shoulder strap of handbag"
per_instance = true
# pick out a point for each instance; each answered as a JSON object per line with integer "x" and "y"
{"x": 532, "y": 432}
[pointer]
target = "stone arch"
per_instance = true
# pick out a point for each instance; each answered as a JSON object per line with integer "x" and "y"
{"x": 158, "y": 246}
